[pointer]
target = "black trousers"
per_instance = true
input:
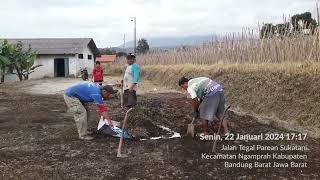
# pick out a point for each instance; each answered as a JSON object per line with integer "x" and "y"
{"x": 129, "y": 98}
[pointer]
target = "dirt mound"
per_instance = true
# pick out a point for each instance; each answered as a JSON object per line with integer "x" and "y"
{"x": 140, "y": 125}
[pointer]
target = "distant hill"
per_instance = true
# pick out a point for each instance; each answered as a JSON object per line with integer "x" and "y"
{"x": 164, "y": 43}
{"x": 109, "y": 51}
{"x": 171, "y": 42}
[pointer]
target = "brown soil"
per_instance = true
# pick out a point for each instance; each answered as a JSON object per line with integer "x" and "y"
{"x": 38, "y": 140}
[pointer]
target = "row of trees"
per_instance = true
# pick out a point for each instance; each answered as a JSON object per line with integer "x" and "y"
{"x": 299, "y": 22}
{"x": 107, "y": 51}
{"x": 110, "y": 51}
{"x": 142, "y": 48}
{"x": 15, "y": 60}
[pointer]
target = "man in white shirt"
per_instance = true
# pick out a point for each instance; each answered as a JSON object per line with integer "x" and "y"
{"x": 130, "y": 82}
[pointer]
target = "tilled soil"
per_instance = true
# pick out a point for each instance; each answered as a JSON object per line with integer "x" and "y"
{"x": 38, "y": 140}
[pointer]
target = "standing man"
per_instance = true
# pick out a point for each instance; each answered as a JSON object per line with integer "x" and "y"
{"x": 77, "y": 98}
{"x": 207, "y": 100}
{"x": 130, "y": 82}
{"x": 97, "y": 73}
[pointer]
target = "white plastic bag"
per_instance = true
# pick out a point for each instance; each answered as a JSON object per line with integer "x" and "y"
{"x": 102, "y": 122}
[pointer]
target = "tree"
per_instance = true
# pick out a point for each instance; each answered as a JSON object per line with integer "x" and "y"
{"x": 27, "y": 64}
{"x": 143, "y": 46}
{"x": 121, "y": 54}
{"x": 307, "y": 21}
{"x": 283, "y": 29}
{"x": 13, "y": 57}
{"x": 6, "y": 51}
{"x": 267, "y": 31}
{"x": 23, "y": 61}
{"x": 298, "y": 22}
{"x": 106, "y": 51}
{"x": 4, "y": 62}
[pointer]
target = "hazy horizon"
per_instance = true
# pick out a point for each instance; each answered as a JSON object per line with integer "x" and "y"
{"x": 107, "y": 21}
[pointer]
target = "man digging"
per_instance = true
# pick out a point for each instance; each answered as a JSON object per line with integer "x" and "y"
{"x": 79, "y": 96}
{"x": 207, "y": 100}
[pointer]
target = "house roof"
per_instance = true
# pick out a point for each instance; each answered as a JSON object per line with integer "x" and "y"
{"x": 58, "y": 45}
{"x": 106, "y": 58}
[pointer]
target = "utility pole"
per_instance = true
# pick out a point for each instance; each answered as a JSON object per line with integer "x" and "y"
{"x": 318, "y": 14}
{"x": 134, "y": 19}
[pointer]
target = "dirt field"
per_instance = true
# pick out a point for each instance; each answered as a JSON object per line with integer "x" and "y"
{"x": 38, "y": 140}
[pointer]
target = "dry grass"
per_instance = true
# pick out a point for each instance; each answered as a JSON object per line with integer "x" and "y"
{"x": 276, "y": 78}
{"x": 194, "y": 70}
{"x": 242, "y": 48}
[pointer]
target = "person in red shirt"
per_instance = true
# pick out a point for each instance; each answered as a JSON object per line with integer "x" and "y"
{"x": 98, "y": 73}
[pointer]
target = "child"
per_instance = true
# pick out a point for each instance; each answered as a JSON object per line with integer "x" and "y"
{"x": 98, "y": 73}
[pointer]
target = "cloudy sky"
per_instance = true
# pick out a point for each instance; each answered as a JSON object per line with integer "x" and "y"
{"x": 108, "y": 20}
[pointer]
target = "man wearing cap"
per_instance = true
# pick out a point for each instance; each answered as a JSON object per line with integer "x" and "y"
{"x": 130, "y": 82}
{"x": 77, "y": 98}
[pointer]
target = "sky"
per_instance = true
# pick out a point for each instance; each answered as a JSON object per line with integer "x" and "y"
{"x": 107, "y": 21}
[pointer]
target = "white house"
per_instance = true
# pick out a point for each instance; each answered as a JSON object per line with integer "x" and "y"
{"x": 61, "y": 57}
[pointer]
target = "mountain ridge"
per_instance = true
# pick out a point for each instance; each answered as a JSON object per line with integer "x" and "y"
{"x": 171, "y": 42}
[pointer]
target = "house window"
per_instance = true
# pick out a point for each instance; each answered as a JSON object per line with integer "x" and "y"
{"x": 80, "y": 56}
{"x": 89, "y": 56}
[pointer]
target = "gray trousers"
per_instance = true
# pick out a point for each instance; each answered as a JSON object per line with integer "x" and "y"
{"x": 80, "y": 112}
{"x": 129, "y": 98}
{"x": 212, "y": 107}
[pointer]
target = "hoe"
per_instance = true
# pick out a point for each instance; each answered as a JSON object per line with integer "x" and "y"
{"x": 190, "y": 130}
{"x": 220, "y": 124}
{"x": 122, "y": 134}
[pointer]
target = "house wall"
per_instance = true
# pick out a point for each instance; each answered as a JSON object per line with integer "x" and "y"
{"x": 75, "y": 64}
{"x": 9, "y": 78}
{"x": 47, "y": 70}
{"x": 85, "y": 62}
{"x": 73, "y": 70}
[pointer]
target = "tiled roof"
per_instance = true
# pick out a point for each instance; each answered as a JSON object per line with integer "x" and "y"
{"x": 58, "y": 45}
{"x": 106, "y": 58}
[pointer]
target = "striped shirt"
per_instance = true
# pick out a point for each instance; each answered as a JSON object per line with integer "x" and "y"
{"x": 203, "y": 87}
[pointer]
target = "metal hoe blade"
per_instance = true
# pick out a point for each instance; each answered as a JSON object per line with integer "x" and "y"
{"x": 190, "y": 130}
